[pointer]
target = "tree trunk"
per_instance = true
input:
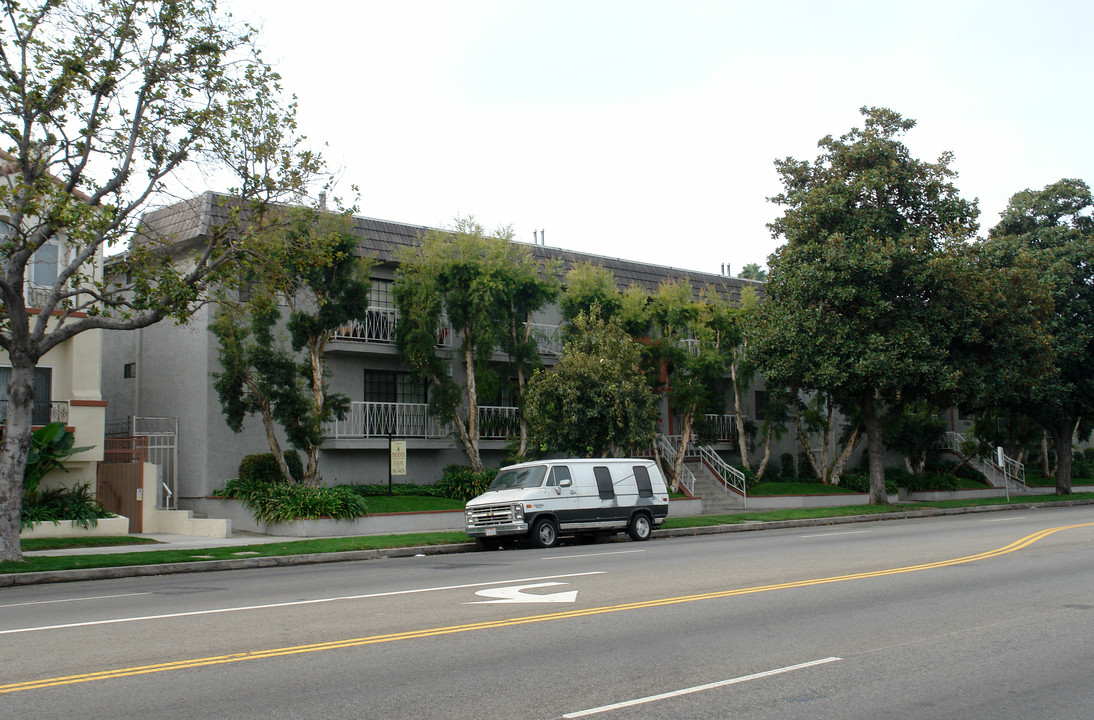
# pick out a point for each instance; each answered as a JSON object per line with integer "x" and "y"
{"x": 318, "y": 400}
{"x": 1045, "y": 469}
{"x": 13, "y": 456}
{"x": 841, "y": 461}
{"x": 678, "y": 465}
{"x": 1061, "y": 436}
{"x": 469, "y": 434}
{"x": 766, "y": 456}
{"x": 266, "y": 412}
{"x": 738, "y": 419}
{"x": 876, "y": 445}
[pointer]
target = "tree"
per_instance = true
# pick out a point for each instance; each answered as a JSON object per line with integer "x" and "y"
{"x": 817, "y": 414}
{"x": 856, "y": 302}
{"x": 101, "y": 106}
{"x": 309, "y": 264}
{"x": 753, "y": 271}
{"x": 693, "y": 343}
{"x": 482, "y": 285}
{"x": 596, "y": 401}
{"x": 1053, "y": 230}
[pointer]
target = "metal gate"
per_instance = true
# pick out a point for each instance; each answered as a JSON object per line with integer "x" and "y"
{"x": 162, "y": 434}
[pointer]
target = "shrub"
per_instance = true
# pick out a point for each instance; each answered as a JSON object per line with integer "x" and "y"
{"x": 75, "y": 504}
{"x": 1082, "y": 465}
{"x": 296, "y": 466}
{"x": 786, "y": 466}
{"x": 262, "y": 467}
{"x": 931, "y": 482}
{"x": 860, "y": 482}
{"x": 283, "y": 502}
{"x": 460, "y": 482}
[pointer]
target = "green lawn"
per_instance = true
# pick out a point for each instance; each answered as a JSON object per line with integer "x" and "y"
{"x": 410, "y": 503}
{"x": 79, "y": 542}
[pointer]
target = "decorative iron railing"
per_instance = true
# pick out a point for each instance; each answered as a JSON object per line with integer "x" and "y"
{"x": 723, "y": 427}
{"x": 379, "y": 326}
{"x": 412, "y": 420}
{"x": 497, "y": 422}
{"x": 548, "y": 338}
{"x": 43, "y": 413}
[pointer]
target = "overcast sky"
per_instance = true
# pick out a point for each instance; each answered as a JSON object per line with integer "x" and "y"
{"x": 648, "y": 130}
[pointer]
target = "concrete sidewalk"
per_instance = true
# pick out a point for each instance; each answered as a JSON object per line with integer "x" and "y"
{"x": 167, "y": 542}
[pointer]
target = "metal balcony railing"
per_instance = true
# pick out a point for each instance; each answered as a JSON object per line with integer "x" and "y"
{"x": 379, "y": 326}
{"x": 412, "y": 420}
{"x": 724, "y": 427}
{"x": 548, "y": 338}
{"x": 44, "y": 412}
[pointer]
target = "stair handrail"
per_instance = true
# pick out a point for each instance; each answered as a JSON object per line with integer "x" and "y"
{"x": 668, "y": 451}
{"x": 1009, "y": 470}
{"x": 731, "y": 476}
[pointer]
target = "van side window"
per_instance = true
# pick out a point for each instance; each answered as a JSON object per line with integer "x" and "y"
{"x": 604, "y": 482}
{"x": 642, "y": 479}
{"x": 559, "y": 475}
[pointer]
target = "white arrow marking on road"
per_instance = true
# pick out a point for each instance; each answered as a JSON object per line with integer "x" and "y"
{"x": 515, "y": 594}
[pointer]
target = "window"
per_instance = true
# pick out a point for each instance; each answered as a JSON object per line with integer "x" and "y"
{"x": 388, "y": 386}
{"x": 7, "y": 232}
{"x": 559, "y": 474}
{"x": 129, "y": 370}
{"x": 44, "y": 265}
{"x": 380, "y": 295}
{"x": 761, "y": 404}
{"x": 642, "y": 479}
{"x": 604, "y": 482}
{"x": 43, "y": 387}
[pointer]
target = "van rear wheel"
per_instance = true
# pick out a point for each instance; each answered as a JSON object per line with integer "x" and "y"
{"x": 639, "y": 527}
{"x": 545, "y": 533}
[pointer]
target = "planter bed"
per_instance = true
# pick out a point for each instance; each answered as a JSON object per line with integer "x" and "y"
{"x": 105, "y": 527}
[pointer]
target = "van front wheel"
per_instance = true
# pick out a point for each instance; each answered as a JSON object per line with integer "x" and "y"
{"x": 639, "y": 527}
{"x": 545, "y": 533}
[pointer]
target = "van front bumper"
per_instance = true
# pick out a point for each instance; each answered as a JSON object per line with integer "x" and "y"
{"x": 477, "y": 531}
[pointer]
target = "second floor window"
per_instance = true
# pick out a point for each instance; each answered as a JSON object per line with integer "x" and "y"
{"x": 393, "y": 387}
{"x": 44, "y": 265}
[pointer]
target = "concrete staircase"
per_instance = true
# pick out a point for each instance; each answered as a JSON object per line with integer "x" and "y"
{"x": 716, "y": 498}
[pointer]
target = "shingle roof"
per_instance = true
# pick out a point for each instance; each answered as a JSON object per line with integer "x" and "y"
{"x": 192, "y": 219}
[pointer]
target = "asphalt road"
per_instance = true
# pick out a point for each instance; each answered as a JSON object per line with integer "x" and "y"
{"x": 967, "y": 616}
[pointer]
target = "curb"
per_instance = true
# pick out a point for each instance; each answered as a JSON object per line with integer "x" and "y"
{"x": 127, "y": 571}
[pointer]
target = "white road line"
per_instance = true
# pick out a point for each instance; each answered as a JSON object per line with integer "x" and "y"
{"x": 78, "y": 599}
{"x": 613, "y": 552}
{"x": 829, "y": 534}
{"x": 1005, "y": 519}
{"x": 698, "y": 688}
{"x": 294, "y": 603}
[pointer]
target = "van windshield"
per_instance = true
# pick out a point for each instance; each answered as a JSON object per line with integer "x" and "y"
{"x": 522, "y": 478}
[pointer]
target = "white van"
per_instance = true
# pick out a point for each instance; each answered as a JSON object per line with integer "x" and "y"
{"x": 549, "y": 498}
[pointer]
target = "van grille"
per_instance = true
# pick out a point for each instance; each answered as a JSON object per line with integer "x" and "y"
{"x": 487, "y": 515}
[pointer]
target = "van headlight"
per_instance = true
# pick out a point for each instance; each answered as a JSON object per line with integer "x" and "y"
{"x": 518, "y": 512}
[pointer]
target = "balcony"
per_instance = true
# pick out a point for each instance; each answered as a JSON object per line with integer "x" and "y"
{"x": 44, "y": 412}
{"x": 379, "y": 327}
{"x": 380, "y": 324}
{"x": 412, "y": 420}
{"x": 548, "y": 338}
{"x": 724, "y": 427}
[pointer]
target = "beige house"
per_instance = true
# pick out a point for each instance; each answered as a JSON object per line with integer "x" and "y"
{"x": 67, "y": 382}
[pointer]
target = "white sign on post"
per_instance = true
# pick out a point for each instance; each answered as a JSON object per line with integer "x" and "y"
{"x": 398, "y": 457}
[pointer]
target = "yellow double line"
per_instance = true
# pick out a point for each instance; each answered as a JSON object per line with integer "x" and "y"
{"x": 493, "y": 624}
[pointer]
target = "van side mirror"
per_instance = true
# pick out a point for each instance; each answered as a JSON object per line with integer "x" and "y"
{"x": 565, "y": 482}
